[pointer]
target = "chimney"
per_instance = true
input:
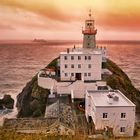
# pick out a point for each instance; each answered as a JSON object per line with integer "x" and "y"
{"x": 116, "y": 98}
{"x": 110, "y": 99}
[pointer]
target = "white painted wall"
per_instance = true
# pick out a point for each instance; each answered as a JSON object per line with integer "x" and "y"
{"x": 95, "y": 70}
{"x": 46, "y": 83}
{"x": 114, "y": 119}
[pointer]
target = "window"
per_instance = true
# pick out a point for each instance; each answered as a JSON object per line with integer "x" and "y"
{"x": 88, "y": 36}
{"x": 85, "y": 57}
{"x": 66, "y": 74}
{"x": 79, "y": 57}
{"x": 122, "y": 129}
{"x": 89, "y": 74}
{"x": 88, "y": 44}
{"x": 105, "y": 115}
{"x": 123, "y": 115}
{"x": 72, "y": 66}
{"x": 89, "y": 57}
{"x": 89, "y": 65}
{"x": 66, "y": 66}
{"x": 72, "y": 57}
{"x": 79, "y": 65}
{"x": 72, "y": 74}
{"x": 65, "y": 57}
{"x": 85, "y": 74}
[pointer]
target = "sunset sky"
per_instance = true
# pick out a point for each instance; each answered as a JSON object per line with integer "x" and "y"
{"x": 63, "y": 19}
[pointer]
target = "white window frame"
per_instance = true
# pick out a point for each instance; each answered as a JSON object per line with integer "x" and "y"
{"x": 105, "y": 116}
{"x": 66, "y": 66}
{"x": 72, "y": 66}
{"x": 79, "y": 57}
{"x": 89, "y": 66}
{"x": 72, "y": 57}
{"x": 79, "y": 66}
{"x": 89, "y": 57}
{"x": 66, "y": 74}
{"x": 123, "y": 115}
{"x": 89, "y": 74}
{"x": 65, "y": 57}
{"x": 72, "y": 74}
{"x": 122, "y": 129}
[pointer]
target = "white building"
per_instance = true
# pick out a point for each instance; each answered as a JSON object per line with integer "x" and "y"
{"x": 80, "y": 77}
{"x": 110, "y": 109}
{"x": 83, "y": 63}
{"x": 80, "y": 64}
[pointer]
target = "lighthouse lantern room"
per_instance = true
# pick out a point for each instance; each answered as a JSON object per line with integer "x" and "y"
{"x": 89, "y": 39}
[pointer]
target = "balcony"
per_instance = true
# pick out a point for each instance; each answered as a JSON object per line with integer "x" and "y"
{"x": 89, "y": 32}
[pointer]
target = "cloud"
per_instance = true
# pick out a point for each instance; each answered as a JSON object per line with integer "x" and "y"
{"x": 6, "y": 27}
{"x": 68, "y": 16}
{"x": 41, "y": 7}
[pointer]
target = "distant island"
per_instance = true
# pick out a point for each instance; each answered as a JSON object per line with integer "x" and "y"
{"x": 40, "y": 40}
{"x": 81, "y": 94}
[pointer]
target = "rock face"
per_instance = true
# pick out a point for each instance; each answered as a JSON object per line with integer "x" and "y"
{"x": 7, "y": 102}
{"x": 31, "y": 102}
{"x": 119, "y": 80}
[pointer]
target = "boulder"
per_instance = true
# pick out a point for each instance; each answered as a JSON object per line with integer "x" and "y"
{"x": 7, "y": 102}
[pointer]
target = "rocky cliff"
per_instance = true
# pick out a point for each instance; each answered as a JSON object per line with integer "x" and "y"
{"x": 31, "y": 102}
{"x": 119, "y": 80}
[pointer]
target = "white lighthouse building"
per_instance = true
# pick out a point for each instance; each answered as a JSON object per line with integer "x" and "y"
{"x": 89, "y": 38}
{"x": 83, "y": 63}
{"x": 80, "y": 76}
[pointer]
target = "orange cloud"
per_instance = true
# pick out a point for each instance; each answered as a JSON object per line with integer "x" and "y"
{"x": 61, "y": 15}
{"x": 42, "y": 7}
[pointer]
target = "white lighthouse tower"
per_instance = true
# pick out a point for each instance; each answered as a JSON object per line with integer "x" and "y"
{"x": 89, "y": 39}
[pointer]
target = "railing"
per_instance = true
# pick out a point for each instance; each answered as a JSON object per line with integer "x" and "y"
{"x": 89, "y": 31}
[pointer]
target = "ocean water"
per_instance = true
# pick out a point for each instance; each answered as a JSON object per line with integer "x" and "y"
{"x": 19, "y": 62}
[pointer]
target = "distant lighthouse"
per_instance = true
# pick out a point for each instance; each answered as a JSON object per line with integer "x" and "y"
{"x": 89, "y": 33}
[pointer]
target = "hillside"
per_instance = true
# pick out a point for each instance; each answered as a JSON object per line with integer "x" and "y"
{"x": 31, "y": 101}
{"x": 119, "y": 80}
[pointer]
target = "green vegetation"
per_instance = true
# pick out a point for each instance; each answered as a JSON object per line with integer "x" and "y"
{"x": 53, "y": 64}
{"x": 119, "y": 80}
{"x": 31, "y": 102}
{"x": 13, "y": 135}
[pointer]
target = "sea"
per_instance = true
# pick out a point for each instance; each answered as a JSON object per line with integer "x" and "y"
{"x": 21, "y": 60}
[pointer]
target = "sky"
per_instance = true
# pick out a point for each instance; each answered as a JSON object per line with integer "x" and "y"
{"x": 64, "y": 19}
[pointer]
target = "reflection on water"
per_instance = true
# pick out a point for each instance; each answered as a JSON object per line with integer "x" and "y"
{"x": 19, "y": 63}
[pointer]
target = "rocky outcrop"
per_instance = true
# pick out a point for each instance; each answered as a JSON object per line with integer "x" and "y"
{"x": 31, "y": 102}
{"x": 7, "y": 102}
{"x": 119, "y": 80}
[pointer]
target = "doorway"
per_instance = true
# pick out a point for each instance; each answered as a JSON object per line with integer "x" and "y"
{"x": 78, "y": 76}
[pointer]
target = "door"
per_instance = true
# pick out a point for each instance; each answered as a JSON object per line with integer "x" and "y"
{"x": 78, "y": 76}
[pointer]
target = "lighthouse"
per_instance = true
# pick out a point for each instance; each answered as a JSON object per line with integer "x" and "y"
{"x": 89, "y": 33}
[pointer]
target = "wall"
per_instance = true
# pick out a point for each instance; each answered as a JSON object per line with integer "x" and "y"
{"x": 114, "y": 119}
{"x": 46, "y": 83}
{"x": 89, "y": 41}
{"x": 95, "y": 69}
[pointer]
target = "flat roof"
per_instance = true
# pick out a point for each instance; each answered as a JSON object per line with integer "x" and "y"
{"x": 101, "y": 99}
{"x": 83, "y": 51}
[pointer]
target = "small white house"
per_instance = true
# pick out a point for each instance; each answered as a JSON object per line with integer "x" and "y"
{"x": 110, "y": 109}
